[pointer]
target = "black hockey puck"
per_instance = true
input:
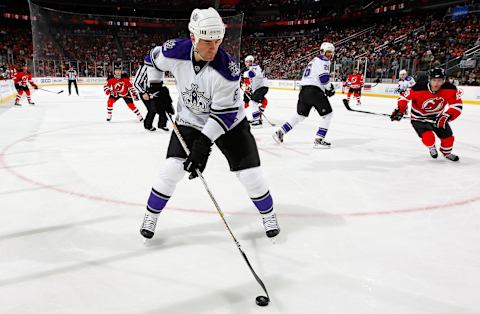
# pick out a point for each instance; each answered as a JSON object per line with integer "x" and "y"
{"x": 262, "y": 300}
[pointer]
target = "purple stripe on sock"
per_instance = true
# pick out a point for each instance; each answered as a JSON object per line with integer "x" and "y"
{"x": 286, "y": 127}
{"x": 264, "y": 205}
{"x": 156, "y": 202}
{"x": 322, "y": 132}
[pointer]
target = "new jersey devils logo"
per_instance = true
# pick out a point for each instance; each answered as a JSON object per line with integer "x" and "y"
{"x": 119, "y": 88}
{"x": 433, "y": 104}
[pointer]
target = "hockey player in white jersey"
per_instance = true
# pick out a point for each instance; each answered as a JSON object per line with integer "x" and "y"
{"x": 209, "y": 110}
{"x": 405, "y": 82}
{"x": 315, "y": 90}
{"x": 258, "y": 86}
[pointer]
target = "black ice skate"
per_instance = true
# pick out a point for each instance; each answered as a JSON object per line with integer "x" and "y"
{"x": 433, "y": 152}
{"x": 31, "y": 103}
{"x": 147, "y": 230}
{"x": 256, "y": 123}
{"x": 17, "y": 104}
{"x": 452, "y": 157}
{"x": 271, "y": 225}
{"x": 278, "y": 136}
{"x": 321, "y": 143}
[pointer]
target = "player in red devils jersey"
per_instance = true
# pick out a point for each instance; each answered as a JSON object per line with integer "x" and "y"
{"x": 434, "y": 105}
{"x": 21, "y": 79}
{"x": 354, "y": 83}
{"x": 119, "y": 86}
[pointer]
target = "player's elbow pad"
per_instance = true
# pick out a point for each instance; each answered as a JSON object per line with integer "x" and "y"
{"x": 454, "y": 111}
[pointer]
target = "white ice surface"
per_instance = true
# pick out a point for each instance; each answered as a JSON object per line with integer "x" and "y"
{"x": 373, "y": 225}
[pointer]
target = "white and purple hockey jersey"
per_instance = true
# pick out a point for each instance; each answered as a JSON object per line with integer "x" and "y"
{"x": 405, "y": 84}
{"x": 257, "y": 77}
{"x": 317, "y": 73}
{"x": 209, "y": 100}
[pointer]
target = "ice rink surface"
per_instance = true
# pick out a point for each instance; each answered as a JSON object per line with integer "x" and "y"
{"x": 373, "y": 225}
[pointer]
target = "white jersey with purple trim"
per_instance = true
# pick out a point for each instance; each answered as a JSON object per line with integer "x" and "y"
{"x": 405, "y": 84}
{"x": 317, "y": 73}
{"x": 257, "y": 77}
{"x": 210, "y": 100}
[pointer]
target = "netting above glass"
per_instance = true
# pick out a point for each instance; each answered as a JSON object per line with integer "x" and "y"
{"x": 95, "y": 43}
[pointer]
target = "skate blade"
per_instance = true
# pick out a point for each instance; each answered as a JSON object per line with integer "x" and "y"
{"x": 276, "y": 139}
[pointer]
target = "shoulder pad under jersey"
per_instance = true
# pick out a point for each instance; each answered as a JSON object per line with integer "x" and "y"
{"x": 323, "y": 58}
{"x": 176, "y": 49}
{"x": 420, "y": 86}
{"x": 226, "y": 65}
{"x": 448, "y": 85}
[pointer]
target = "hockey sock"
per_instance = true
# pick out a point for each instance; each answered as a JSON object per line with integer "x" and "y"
{"x": 324, "y": 125}
{"x": 19, "y": 95}
{"x": 29, "y": 98}
{"x": 135, "y": 110}
{"x": 290, "y": 124}
{"x": 428, "y": 138}
{"x": 264, "y": 104}
{"x": 254, "y": 182}
{"x": 446, "y": 145}
{"x": 110, "y": 103}
{"x": 156, "y": 201}
{"x": 256, "y": 114}
{"x": 357, "y": 97}
{"x": 170, "y": 174}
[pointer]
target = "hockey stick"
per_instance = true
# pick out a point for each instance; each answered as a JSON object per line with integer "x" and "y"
{"x": 382, "y": 114}
{"x": 50, "y": 91}
{"x": 199, "y": 174}
{"x": 272, "y": 124}
{"x": 345, "y": 102}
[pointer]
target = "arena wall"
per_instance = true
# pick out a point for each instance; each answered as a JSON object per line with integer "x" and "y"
{"x": 471, "y": 94}
{"x": 7, "y": 91}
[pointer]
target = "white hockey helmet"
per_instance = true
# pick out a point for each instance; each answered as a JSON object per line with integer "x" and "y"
{"x": 326, "y": 46}
{"x": 249, "y": 58}
{"x": 206, "y": 24}
{"x": 403, "y": 74}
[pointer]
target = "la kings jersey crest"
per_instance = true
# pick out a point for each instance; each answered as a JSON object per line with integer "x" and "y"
{"x": 195, "y": 100}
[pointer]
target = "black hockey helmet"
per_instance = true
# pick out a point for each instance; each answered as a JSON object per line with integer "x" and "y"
{"x": 437, "y": 73}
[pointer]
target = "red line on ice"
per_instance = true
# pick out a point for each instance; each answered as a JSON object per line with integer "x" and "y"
{"x": 9, "y": 169}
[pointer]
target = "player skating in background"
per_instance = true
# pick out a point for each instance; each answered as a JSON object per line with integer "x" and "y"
{"x": 434, "y": 105}
{"x": 21, "y": 79}
{"x": 404, "y": 82}
{"x": 315, "y": 90}
{"x": 246, "y": 88}
{"x": 354, "y": 83}
{"x": 72, "y": 77}
{"x": 209, "y": 110}
{"x": 257, "y": 81}
{"x": 119, "y": 86}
